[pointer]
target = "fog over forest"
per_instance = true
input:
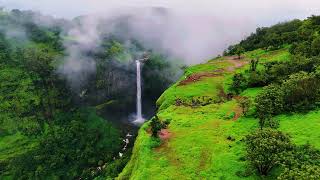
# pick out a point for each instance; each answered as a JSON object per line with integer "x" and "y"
{"x": 194, "y": 31}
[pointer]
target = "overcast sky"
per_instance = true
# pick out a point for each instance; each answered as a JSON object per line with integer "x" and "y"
{"x": 209, "y": 26}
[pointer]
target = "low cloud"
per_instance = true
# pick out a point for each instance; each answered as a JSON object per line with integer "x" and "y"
{"x": 193, "y": 31}
{"x": 77, "y": 64}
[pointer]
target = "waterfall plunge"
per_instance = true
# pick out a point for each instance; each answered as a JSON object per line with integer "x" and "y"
{"x": 139, "y": 118}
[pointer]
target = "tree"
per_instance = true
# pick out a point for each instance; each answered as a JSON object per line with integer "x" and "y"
{"x": 239, "y": 51}
{"x": 19, "y": 101}
{"x": 38, "y": 63}
{"x": 254, "y": 64}
{"x": 239, "y": 83}
{"x": 265, "y": 149}
{"x": 269, "y": 102}
{"x": 4, "y": 49}
{"x": 273, "y": 40}
{"x": 315, "y": 46}
{"x": 257, "y": 79}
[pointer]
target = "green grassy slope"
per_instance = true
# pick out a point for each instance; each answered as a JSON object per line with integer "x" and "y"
{"x": 205, "y": 140}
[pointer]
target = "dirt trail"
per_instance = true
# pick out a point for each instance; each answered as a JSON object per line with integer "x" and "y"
{"x": 196, "y": 77}
{"x": 236, "y": 63}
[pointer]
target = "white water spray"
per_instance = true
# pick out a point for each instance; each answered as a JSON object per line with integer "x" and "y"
{"x": 139, "y": 118}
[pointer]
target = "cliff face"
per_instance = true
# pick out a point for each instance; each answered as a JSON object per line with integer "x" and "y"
{"x": 204, "y": 138}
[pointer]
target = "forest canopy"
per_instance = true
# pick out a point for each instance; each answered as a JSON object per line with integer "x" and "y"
{"x": 59, "y": 128}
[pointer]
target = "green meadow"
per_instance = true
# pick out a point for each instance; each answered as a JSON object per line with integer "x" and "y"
{"x": 206, "y": 141}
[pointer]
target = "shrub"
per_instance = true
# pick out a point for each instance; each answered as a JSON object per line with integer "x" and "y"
{"x": 239, "y": 50}
{"x": 302, "y": 155}
{"x": 310, "y": 172}
{"x": 298, "y": 93}
{"x": 257, "y": 79}
{"x": 156, "y": 126}
{"x": 271, "y": 123}
{"x": 265, "y": 149}
{"x": 301, "y": 91}
{"x": 253, "y": 64}
{"x": 239, "y": 83}
{"x": 303, "y": 162}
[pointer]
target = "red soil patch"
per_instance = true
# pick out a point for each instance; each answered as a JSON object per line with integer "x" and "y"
{"x": 237, "y": 63}
{"x": 237, "y": 109}
{"x": 164, "y": 134}
{"x": 219, "y": 71}
{"x": 196, "y": 77}
{"x": 238, "y": 114}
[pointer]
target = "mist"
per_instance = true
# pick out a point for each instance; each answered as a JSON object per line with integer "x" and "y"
{"x": 193, "y": 31}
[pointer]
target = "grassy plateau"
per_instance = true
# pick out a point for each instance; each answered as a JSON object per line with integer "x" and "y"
{"x": 205, "y": 132}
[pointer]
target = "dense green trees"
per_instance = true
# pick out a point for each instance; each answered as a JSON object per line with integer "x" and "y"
{"x": 75, "y": 149}
{"x": 39, "y": 104}
{"x": 4, "y": 49}
{"x": 301, "y": 35}
{"x": 19, "y": 102}
{"x": 36, "y": 103}
{"x": 288, "y": 86}
{"x": 301, "y": 91}
{"x": 315, "y": 46}
{"x": 271, "y": 38}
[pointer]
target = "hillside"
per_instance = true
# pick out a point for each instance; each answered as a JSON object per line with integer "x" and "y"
{"x": 63, "y": 117}
{"x": 70, "y": 98}
{"x": 204, "y": 139}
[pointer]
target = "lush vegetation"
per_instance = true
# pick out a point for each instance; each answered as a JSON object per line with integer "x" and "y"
{"x": 51, "y": 128}
{"x": 253, "y": 113}
{"x": 44, "y": 133}
{"x": 289, "y": 86}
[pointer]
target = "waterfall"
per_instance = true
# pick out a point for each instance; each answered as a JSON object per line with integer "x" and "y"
{"x": 139, "y": 118}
